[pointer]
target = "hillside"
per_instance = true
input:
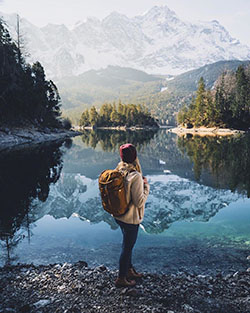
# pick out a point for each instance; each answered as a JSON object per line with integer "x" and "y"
{"x": 109, "y": 84}
{"x": 163, "y": 96}
{"x": 188, "y": 81}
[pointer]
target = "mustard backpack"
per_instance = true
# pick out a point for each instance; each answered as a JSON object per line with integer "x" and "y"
{"x": 113, "y": 193}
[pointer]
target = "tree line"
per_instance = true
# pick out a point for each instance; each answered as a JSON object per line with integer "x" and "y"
{"x": 117, "y": 115}
{"x": 226, "y": 105}
{"x": 26, "y": 97}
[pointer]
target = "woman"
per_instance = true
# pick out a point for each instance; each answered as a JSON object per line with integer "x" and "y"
{"x": 137, "y": 190}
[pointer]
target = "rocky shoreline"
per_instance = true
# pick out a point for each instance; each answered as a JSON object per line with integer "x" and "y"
{"x": 78, "y": 288}
{"x": 204, "y": 131}
{"x": 119, "y": 128}
{"x": 15, "y": 137}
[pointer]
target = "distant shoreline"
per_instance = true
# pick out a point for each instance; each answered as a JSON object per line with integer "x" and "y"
{"x": 122, "y": 128}
{"x": 206, "y": 131}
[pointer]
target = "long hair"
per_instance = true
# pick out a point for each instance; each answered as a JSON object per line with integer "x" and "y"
{"x": 129, "y": 167}
{"x": 137, "y": 165}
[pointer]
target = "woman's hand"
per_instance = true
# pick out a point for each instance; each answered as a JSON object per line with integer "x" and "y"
{"x": 145, "y": 180}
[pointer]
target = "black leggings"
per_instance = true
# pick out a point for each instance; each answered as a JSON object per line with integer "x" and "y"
{"x": 129, "y": 232}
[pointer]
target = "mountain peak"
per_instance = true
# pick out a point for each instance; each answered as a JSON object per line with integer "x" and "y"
{"x": 160, "y": 10}
{"x": 115, "y": 16}
{"x": 160, "y": 15}
{"x": 156, "y": 42}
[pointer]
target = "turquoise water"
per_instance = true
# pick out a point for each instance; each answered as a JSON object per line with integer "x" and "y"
{"x": 197, "y": 224}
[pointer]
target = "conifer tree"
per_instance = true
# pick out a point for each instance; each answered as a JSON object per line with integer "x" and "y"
{"x": 115, "y": 117}
{"x": 239, "y": 106}
{"x": 227, "y": 106}
{"x": 84, "y": 120}
{"x": 200, "y": 103}
{"x": 25, "y": 95}
{"x": 93, "y": 116}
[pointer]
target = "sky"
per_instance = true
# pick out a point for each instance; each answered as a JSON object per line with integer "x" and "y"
{"x": 234, "y": 15}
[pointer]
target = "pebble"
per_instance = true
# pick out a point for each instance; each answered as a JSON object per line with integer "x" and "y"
{"x": 41, "y": 303}
{"x": 73, "y": 288}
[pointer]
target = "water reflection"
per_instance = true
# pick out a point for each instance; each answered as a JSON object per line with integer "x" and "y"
{"x": 171, "y": 199}
{"x": 25, "y": 175}
{"x": 226, "y": 158}
{"x": 110, "y": 140}
{"x": 35, "y": 185}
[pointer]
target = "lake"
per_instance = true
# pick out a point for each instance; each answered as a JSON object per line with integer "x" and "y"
{"x": 197, "y": 216}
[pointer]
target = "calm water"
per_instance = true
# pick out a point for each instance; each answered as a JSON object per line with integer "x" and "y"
{"x": 197, "y": 215}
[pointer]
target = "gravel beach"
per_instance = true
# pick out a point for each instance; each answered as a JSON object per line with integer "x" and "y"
{"x": 78, "y": 288}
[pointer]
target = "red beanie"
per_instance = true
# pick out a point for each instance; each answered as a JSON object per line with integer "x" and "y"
{"x": 128, "y": 153}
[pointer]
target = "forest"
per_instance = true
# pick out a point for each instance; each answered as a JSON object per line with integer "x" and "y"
{"x": 26, "y": 97}
{"x": 111, "y": 115}
{"x": 226, "y": 105}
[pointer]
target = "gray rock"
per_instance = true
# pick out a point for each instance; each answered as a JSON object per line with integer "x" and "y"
{"x": 42, "y": 303}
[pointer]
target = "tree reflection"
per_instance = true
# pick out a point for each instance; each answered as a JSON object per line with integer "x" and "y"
{"x": 24, "y": 176}
{"x": 227, "y": 158}
{"x": 110, "y": 140}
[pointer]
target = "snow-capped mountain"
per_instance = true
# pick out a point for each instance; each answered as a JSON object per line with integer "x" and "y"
{"x": 155, "y": 42}
{"x": 171, "y": 199}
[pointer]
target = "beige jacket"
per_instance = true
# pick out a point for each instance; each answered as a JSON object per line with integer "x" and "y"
{"x": 136, "y": 192}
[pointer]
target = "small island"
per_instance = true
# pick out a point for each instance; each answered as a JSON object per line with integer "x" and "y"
{"x": 223, "y": 110}
{"x": 122, "y": 117}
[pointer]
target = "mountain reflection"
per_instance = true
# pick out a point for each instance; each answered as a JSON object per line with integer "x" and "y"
{"x": 25, "y": 175}
{"x": 171, "y": 199}
{"x": 226, "y": 158}
{"x": 32, "y": 184}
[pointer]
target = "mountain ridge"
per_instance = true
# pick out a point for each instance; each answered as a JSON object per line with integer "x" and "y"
{"x": 116, "y": 83}
{"x": 157, "y": 42}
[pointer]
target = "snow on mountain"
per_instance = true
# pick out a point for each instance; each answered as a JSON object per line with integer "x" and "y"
{"x": 171, "y": 199}
{"x": 156, "y": 42}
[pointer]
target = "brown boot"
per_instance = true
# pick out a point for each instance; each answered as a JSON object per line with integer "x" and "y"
{"x": 132, "y": 274}
{"x": 124, "y": 282}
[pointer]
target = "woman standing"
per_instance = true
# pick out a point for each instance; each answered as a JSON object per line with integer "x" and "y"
{"x": 137, "y": 190}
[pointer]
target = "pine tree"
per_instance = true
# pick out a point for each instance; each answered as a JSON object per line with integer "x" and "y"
{"x": 93, "y": 116}
{"x": 239, "y": 106}
{"x": 200, "y": 103}
{"x": 84, "y": 120}
{"x": 115, "y": 117}
{"x": 53, "y": 111}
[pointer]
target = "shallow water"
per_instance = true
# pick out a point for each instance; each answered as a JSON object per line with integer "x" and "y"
{"x": 197, "y": 215}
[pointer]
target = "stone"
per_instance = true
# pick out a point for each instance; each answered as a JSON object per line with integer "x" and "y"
{"x": 42, "y": 303}
{"x": 92, "y": 290}
{"x": 101, "y": 268}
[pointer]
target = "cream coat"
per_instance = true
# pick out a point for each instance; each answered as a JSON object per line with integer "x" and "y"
{"x": 136, "y": 192}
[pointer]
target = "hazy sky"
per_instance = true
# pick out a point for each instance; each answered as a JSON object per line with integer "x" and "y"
{"x": 233, "y": 14}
